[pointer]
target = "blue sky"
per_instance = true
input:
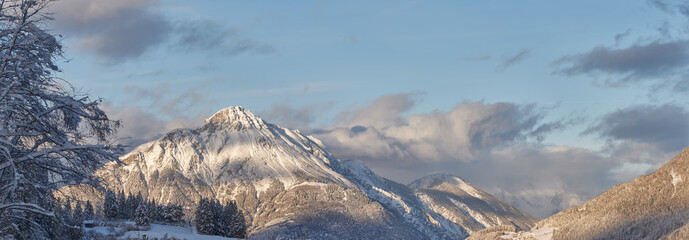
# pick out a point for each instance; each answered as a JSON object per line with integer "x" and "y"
{"x": 595, "y": 90}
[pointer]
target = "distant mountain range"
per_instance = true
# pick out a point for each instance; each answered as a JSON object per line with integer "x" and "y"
{"x": 288, "y": 186}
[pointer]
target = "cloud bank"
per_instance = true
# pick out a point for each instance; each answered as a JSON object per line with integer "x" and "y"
{"x": 379, "y": 132}
{"x": 662, "y": 60}
{"x": 116, "y": 31}
{"x": 113, "y": 30}
{"x": 665, "y": 126}
{"x": 140, "y": 126}
{"x": 637, "y": 62}
{"x": 494, "y": 145}
{"x": 156, "y": 110}
{"x": 498, "y": 146}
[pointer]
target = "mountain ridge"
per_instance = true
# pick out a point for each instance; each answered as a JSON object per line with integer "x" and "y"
{"x": 652, "y": 206}
{"x": 451, "y": 195}
{"x": 287, "y": 184}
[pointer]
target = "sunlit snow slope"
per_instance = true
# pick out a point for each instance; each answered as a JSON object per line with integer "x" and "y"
{"x": 653, "y": 206}
{"x": 463, "y": 203}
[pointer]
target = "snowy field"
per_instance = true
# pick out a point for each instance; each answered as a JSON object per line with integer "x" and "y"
{"x": 160, "y": 231}
{"x": 544, "y": 233}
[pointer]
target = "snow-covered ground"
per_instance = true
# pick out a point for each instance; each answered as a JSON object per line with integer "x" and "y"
{"x": 160, "y": 231}
{"x": 544, "y": 233}
{"x": 110, "y": 228}
{"x": 106, "y": 231}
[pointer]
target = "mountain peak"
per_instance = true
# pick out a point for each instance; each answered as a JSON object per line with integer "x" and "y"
{"x": 429, "y": 181}
{"x": 447, "y": 182}
{"x": 237, "y": 117}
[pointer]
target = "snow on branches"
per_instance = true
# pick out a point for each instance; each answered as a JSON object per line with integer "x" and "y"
{"x": 50, "y": 136}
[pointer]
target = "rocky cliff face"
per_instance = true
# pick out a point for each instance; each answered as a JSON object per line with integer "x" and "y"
{"x": 289, "y": 186}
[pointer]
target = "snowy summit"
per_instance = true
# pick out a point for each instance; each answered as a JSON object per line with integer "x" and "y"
{"x": 238, "y": 117}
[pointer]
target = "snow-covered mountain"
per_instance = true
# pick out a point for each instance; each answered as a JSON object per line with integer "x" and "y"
{"x": 467, "y": 205}
{"x": 289, "y": 186}
{"x": 653, "y": 206}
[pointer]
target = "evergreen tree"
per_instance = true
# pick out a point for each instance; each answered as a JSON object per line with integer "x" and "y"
{"x": 88, "y": 210}
{"x": 218, "y": 224}
{"x": 226, "y": 219}
{"x": 159, "y": 213}
{"x": 213, "y": 218}
{"x": 156, "y": 211}
{"x": 127, "y": 212}
{"x": 110, "y": 207}
{"x": 122, "y": 204}
{"x": 203, "y": 218}
{"x": 67, "y": 214}
{"x": 132, "y": 204}
{"x": 236, "y": 225}
{"x": 141, "y": 215}
{"x": 173, "y": 213}
{"x": 77, "y": 215}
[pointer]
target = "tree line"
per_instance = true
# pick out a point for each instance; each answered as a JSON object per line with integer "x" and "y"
{"x": 213, "y": 218}
{"x": 210, "y": 217}
{"x": 143, "y": 212}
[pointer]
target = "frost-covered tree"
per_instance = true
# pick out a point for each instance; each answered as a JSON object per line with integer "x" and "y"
{"x": 130, "y": 205}
{"x": 122, "y": 206}
{"x": 213, "y": 218}
{"x": 173, "y": 213}
{"x": 236, "y": 226}
{"x": 141, "y": 215}
{"x": 111, "y": 208}
{"x": 50, "y": 136}
{"x": 224, "y": 219}
{"x": 156, "y": 211}
{"x": 205, "y": 218}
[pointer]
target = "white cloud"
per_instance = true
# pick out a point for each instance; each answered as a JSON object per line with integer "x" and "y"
{"x": 113, "y": 30}
{"x": 140, "y": 126}
{"x": 379, "y": 132}
{"x": 120, "y": 30}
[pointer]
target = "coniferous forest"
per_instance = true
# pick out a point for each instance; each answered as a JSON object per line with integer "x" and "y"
{"x": 210, "y": 216}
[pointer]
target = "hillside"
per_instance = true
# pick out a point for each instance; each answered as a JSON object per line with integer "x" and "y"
{"x": 653, "y": 206}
